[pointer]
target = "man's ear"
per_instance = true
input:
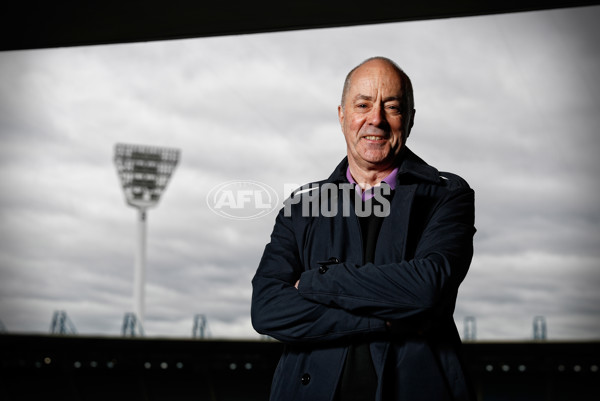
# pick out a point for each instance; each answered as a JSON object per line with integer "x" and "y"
{"x": 411, "y": 122}
{"x": 341, "y": 115}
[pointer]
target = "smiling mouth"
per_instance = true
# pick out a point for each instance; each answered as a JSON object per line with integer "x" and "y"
{"x": 374, "y": 138}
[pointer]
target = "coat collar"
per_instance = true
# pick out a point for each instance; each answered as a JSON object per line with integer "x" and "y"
{"x": 410, "y": 165}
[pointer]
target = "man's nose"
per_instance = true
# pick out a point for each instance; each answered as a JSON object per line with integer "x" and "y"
{"x": 377, "y": 116}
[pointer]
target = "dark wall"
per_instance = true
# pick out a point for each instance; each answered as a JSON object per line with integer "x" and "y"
{"x": 95, "y": 368}
{"x": 107, "y": 369}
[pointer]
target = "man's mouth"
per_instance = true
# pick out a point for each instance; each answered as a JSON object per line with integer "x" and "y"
{"x": 374, "y": 138}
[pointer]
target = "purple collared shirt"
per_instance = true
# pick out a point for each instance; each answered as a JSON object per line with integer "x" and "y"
{"x": 368, "y": 194}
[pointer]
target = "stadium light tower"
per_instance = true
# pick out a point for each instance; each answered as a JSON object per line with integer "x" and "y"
{"x": 144, "y": 172}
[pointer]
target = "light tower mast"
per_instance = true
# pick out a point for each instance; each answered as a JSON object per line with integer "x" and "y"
{"x": 144, "y": 172}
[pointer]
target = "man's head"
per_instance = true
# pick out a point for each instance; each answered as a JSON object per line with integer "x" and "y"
{"x": 376, "y": 113}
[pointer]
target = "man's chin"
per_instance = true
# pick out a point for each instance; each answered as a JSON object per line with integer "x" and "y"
{"x": 379, "y": 163}
{"x": 384, "y": 159}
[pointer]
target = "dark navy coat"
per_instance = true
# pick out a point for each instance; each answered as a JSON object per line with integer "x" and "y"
{"x": 423, "y": 253}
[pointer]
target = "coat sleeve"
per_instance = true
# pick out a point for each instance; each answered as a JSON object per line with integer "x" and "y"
{"x": 278, "y": 310}
{"x": 426, "y": 285}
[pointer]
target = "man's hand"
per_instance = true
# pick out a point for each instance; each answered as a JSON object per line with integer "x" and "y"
{"x": 297, "y": 283}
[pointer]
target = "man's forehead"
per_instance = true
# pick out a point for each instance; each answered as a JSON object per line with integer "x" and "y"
{"x": 368, "y": 85}
{"x": 376, "y": 76}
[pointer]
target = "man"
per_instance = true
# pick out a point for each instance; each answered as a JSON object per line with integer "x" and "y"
{"x": 364, "y": 300}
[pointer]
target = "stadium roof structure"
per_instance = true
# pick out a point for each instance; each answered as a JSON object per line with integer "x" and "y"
{"x": 31, "y": 24}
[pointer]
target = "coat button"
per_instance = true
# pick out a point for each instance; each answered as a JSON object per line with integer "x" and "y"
{"x": 323, "y": 266}
{"x": 305, "y": 379}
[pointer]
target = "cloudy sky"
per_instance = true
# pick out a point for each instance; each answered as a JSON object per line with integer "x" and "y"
{"x": 509, "y": 102}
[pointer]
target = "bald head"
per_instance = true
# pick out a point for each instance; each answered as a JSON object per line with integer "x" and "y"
{"x": 407, "y": 93}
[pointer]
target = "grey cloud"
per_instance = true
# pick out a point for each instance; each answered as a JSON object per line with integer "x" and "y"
{"x": 508, "y": 102}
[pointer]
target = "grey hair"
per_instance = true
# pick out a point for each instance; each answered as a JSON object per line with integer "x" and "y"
{"x": 407, "y": 88}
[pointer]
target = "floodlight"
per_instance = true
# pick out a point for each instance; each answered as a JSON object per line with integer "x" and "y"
{"x": 144, "y": 172}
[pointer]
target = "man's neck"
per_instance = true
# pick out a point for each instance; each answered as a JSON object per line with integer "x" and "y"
{"x": 367, "y": 177}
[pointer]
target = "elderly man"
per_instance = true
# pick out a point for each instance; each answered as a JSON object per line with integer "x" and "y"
{"x": 363, "y": 300}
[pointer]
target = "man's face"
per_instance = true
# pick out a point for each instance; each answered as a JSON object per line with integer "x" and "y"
{"x": 374, "y": 120}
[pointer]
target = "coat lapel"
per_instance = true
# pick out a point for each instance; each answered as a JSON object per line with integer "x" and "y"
{"x": 391, "y": 243}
